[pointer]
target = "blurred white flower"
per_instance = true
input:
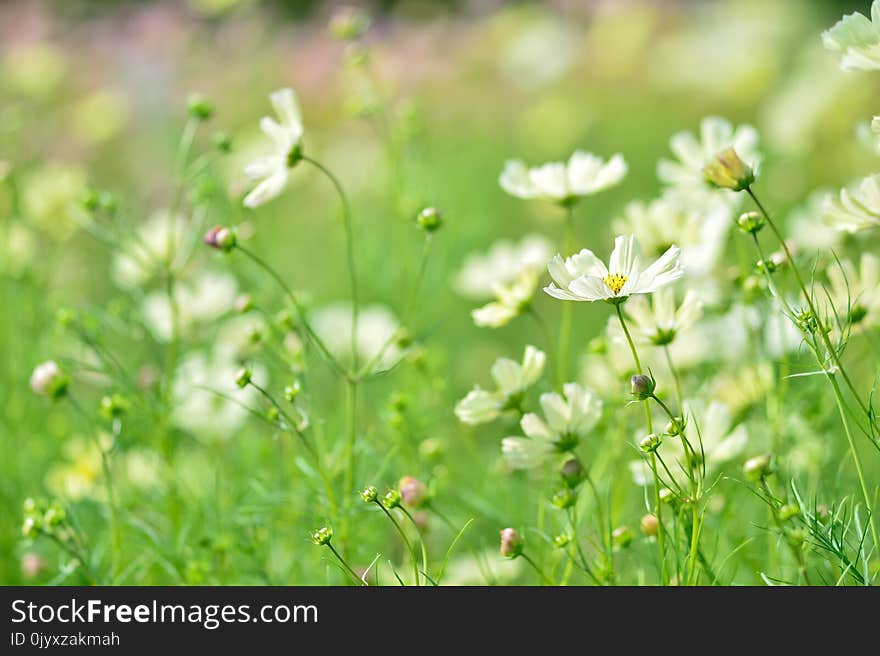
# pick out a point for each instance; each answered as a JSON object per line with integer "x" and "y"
{"x": 158, "y": 239}
{"x": 712, "y": 434}
{"x": 501, "y": 265}
{"x": 857, "y": 208}
{"x": 693, "y": 153}
{"x": 511, "y": 379}
{"x": 482, "y": 568}
{"x": 585, "y": 174}
{"x": 198, "y": 408}
{"x": 376, "y": 326}
{"x": 807, "y": 227}
{"x": 658, "y": 321}
{"x": 568, "y": 420}
{"x": 856, "y": 40}
{"x": 855, "y": 292}
{"x": 285, "y": 134}
{"x": 49, "y": 197}
{"x": 584, "y": 277}
{"x": 511, "y": 300}
{"x": 699, "y": 228}
{"x": 208, "y": 297}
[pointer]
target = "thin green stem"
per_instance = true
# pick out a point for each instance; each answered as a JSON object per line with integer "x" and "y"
{"x": 421, "y": 539}
{"x": 406, "y": 541}
{"x": 349, "y": 253}
{"x": 537, "y": 569}
{"x": 348, "y": 569}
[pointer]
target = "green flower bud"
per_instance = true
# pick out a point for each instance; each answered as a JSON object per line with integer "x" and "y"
{"x": 322, "y": 536}
{"x": 392, "y": 499}
{"x": 222, "y": 142}
{"x": 621, "y": 537}
{"x": 272, "y": 414}
{"x": 728, "y": 171}
{"x": 642, "y": 386}
{"x": 788, "y": 511}
{"x": 243, "y": 377}
{"x": 292, "y": 391}
{"x": 766, "y": 266}
{"x": 758, "y": 467}
{"x": 564, "y": 498}
{"x": 114, "y": 406}
{"x": 221, "y": 238}
{"x": 369, "y": 494}
{"x": 675, "y": 427}
{"x": 511, "y": 543}
{"x": 751, "y": 222}
{"x": 650, "y": 443}
{"x": 30, "y": 528}
{"x": 430, "y": 219}
{"x": 199, "y": 108}
{"x": 54, "y": 515}
{"x": 562, "y": 540}
{"x": 650, "y": 525}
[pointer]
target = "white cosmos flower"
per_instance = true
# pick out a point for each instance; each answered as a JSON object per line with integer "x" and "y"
{"x": 159, "y": 238}
{"x": 566, "y": 420}
{"x": 375, "y": 327}
{"x": 584, "y": 174}
{"x": 207, "y": 297}
{"x": 721, "y": 440}
{"x": 584, "y": 277}
{"x": 285, "y": 134}
{"x": 658, "y": 321}
{"x": 501, "y": 265}
{"x": 694, "y": 153}
{"x": 857, "y": 291}
{"x": 511, "y": 300}
{"x": 856, "y": 39}
{"x": 855, "y": 209}
{"x": 511, "y": 379}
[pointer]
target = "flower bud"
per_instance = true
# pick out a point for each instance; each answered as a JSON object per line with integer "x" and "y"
{"x": 788, "y": 511}
{"x": 766, "y": 266}
{"x": 243, "y": 377}
{"x": 675, "y": 427}
{"x": 728, "y": 171}
{"x": 649, "y": 525}
{"x": 272, "y": 414}
{"x": 49, "y": 381}
{"x": 244, "y": 303}
{"x": 564, "y": 498}
{"x": 621, "y": 537}
{"x": 54, "y": 515}
{"x": 370, "y": 494}
{"x": 322, "y": 536}
{"x": 32, "y": 565}
{"x": 392, "y": 499}
{"x": 30, "y": 528}
{"x": 572, "y": 472}
{"x": 430, "y": 219}
{"x": 642, "y": 386}
{"x": 222, "y": 142}
{"x": 511, "y": 543}
{"x": 221, "y": 238}
{"x": 349, "y": 23}
{"x": 562, "y": 540}
{"x": 650, "y": 443}
{"x": 199, "y": 108}
{"x": 751, "y": 222}
{"x": 412, "y": 491}
{"x": 292, "y": 391}
{"x": 758, "y": 467}
{"x": 114, "y": 406}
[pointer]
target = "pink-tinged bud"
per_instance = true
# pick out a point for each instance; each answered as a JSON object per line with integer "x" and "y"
{"x": 32, "y": 565}
{"x": 221, "y": 238}
{"x": 49, "y": 381}
{"x": 728, "y": 171}
{"x": 412, "y": 491}
{"x": 511, "y": 543}
{"x": 650, "y": 525}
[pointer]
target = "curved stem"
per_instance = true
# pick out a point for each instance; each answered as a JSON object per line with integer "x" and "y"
{"x": 349, "y": 253}
{"x": 348, "y": 569}
{"x": 406, "y": 541}
{"x": 537, "y": 569}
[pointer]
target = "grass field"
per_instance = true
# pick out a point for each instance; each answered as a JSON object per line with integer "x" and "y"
{"x": 241, "y": 347}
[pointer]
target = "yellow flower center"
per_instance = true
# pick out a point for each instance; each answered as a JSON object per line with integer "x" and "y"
{"x": 615, "y": 282}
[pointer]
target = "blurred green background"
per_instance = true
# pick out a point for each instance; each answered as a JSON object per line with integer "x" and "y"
{"x": 94, "y": 93}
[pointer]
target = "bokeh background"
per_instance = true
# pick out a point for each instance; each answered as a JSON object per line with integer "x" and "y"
{"x": 94, "y": 93}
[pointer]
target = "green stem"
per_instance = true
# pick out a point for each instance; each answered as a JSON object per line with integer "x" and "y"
{"x": 348, "y": 569}
{"x": 409, "y": 547}
{"x": 349, "y": 253}
{"x": 537, "y": 569}
{"x": 421, "y": 539}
